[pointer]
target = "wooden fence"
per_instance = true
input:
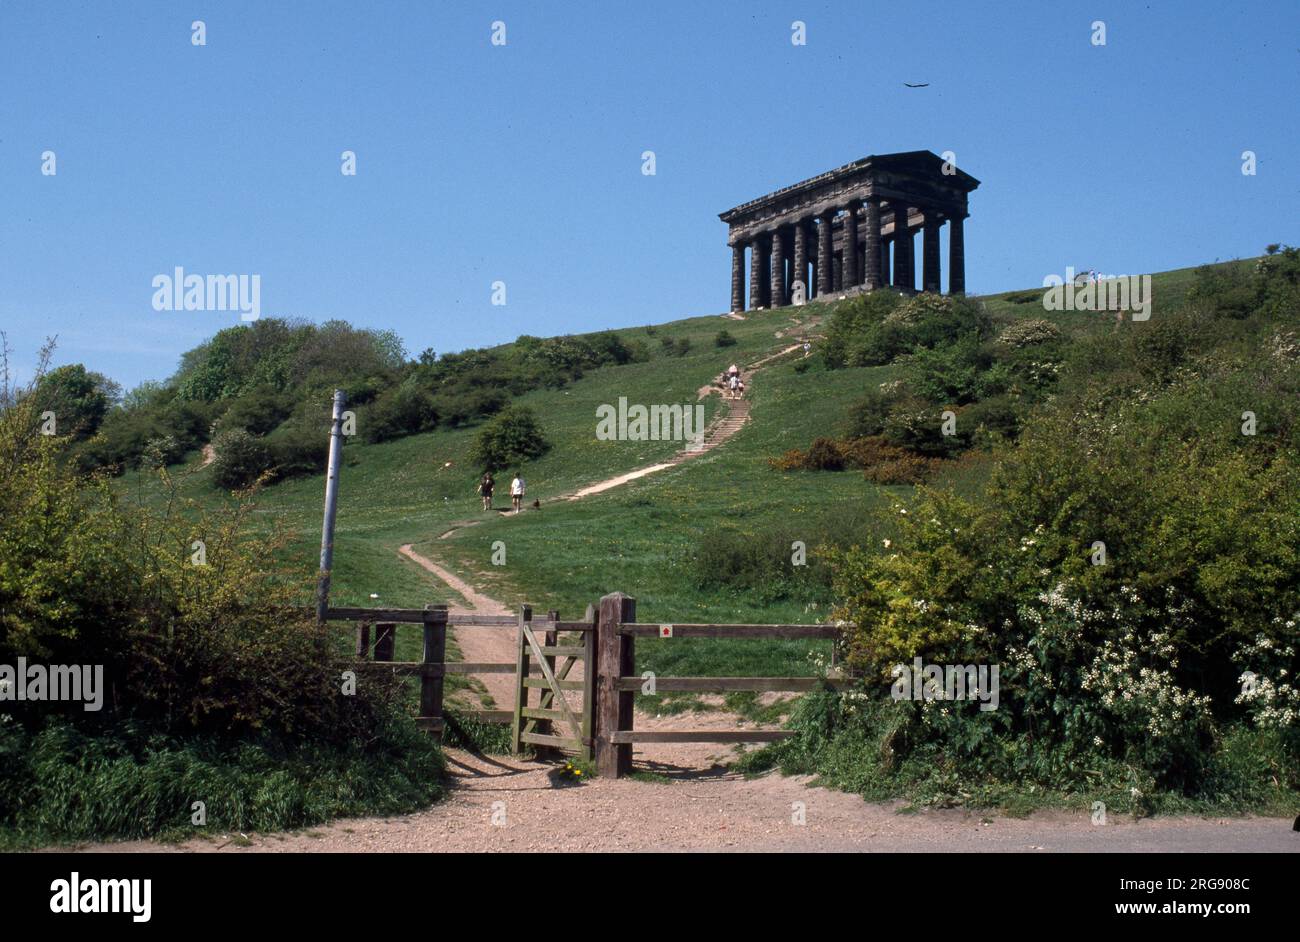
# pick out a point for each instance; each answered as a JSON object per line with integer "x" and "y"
{"x": 602, "y": 726}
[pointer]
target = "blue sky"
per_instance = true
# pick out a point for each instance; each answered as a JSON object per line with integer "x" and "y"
{"x": 522, "y": 163}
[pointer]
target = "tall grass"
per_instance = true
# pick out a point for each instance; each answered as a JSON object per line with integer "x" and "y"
{"x": 63, "y": 785}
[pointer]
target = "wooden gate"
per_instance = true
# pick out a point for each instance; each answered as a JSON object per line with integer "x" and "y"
{"x": 554, "y": 723}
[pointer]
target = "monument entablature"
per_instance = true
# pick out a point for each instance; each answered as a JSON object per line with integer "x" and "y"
{"x": 799, "y": 234}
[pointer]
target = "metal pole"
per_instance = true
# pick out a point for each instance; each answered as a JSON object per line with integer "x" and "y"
{"x": 331, "y": 508}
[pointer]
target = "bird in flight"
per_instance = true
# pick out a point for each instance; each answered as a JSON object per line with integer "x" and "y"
{"x": 922, "y": 85}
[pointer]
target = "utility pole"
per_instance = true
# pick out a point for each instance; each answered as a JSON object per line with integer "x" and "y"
{"x": 331, "y": 508}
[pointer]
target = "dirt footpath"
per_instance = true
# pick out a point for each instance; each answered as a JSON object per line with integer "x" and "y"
{"x": 502, "y": 804}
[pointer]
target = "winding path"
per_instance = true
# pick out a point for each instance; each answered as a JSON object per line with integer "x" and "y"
{"x": 483, "y": 645}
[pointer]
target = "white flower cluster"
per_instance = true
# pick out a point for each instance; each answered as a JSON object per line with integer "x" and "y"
{"x": 1144, "y": 694}
{"x": 1286, "y": 346}
{"x": 1274, "y": 701}
{"x": 1029, "y": 332}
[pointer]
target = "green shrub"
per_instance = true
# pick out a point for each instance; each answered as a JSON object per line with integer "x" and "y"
{"x": 952, "y": 374}
{"x": 1227, "y": 289}
{"x": 724, "y": 339}
{"x": 296, "y": 449}
{"x": 990, "y": 421}
{"x": 241, "y": 458}
{"x": 78, "y": 398}
{"x": 257, "y": 411}
{"x": 1030, "y": 332}
{"x": 510, "y": 437}
{"x": 463, "y": 406}
{"x": 876, "y": 328}
{"x": 675, "y": 346}
{"x": 403, "y": 410}
{"x": 824, "y": 455}
{"x": 216, "y": 677}
{"x": 867, "y": 416}
{"x": 917, "y": 426}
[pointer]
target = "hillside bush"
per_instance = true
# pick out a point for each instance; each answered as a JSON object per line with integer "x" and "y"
{"x": 241, "y": 458}
{"x": 1132, "y": 566}
{"x": 675, "y": 346}
{"x": 509, "y": 438}
{"x": 405, "y": 410}
{"x": 78, "y": 398}
{"x": 875, "y": 328}
{"x": 298, "y": 449}
{"x": 1029, "y": 333}
{"x": 214, "y": 674}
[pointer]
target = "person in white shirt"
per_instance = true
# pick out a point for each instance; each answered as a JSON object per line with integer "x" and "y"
{"x": 517, "y": 491}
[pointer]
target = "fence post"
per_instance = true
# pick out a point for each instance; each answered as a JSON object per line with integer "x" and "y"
{"x": 435, "y": 652}
{"x": 615, "y": 659}
{"x": 589, "y": 686}
{"x": 363, "y": 639}
{"x": 521, "y": 687}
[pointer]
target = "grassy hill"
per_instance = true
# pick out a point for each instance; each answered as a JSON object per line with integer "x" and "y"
{"x": 1170, "y": 443}
{"x": 641, "y": 538}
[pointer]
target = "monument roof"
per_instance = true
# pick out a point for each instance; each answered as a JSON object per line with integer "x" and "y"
{"x": 915, "y": 160}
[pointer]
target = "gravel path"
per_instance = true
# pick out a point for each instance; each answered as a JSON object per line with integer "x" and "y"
{"x": 503, "y": 804}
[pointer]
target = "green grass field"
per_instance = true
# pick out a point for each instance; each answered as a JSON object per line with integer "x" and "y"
{"x": 639, "y": 538}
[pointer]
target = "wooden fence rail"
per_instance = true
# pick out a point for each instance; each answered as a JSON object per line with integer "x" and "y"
{"x": 616, "y": 683}
{"x": 603, "y": 726}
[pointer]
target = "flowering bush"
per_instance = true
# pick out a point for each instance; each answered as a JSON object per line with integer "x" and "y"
{"x": 1029, "y": 333}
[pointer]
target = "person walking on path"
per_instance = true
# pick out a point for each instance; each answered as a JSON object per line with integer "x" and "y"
{"x": 732, "y": 383}
{"x": 517, "y": 491}
{"x": 485, "y": 487}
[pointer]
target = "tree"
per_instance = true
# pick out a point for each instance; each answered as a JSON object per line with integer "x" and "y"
{"x": 79, "y": 399}
{"x": 509, "y": 437}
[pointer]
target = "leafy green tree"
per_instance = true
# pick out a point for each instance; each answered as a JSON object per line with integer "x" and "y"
{"x": 78, "y": 398}
{"x": 508, "y": 438}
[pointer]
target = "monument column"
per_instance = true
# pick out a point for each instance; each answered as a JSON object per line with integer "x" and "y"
{"x": 850, "y": 262}
{"x": 825, "y": 253}
{"x": 778, "y": 267}
{"x": 756, "y": 273}
{"x": 801, "y": 257}
{"x": 904, "y": 262}
{"x": 872, "y": 274}
{"x": 738, "y": 277}
{"x": 930, "y": 254}
{"x": 956, "y": 257}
